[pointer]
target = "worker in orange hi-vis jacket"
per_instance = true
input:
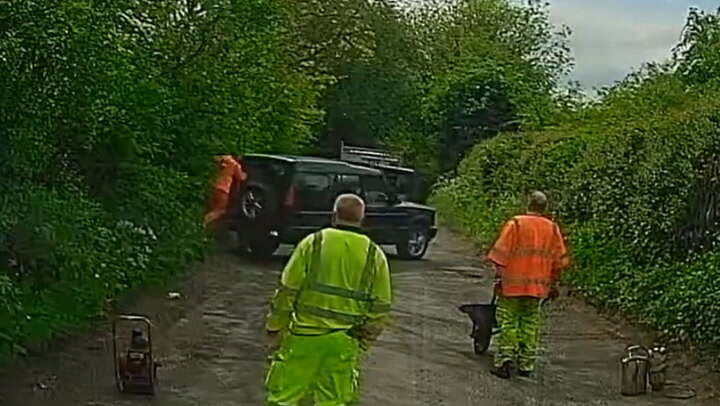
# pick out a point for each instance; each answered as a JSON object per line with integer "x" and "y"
{"x": 230, "y": 174}
{"x": 529, "y": 255}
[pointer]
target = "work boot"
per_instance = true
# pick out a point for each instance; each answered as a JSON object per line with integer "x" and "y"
{"x": 502, "y": 372}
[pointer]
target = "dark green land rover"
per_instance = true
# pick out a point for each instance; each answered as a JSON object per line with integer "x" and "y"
{"x": 286, "y": 198}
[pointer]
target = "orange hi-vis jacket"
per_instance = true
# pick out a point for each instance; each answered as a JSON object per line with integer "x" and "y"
{"x": 230, "y": 171}
{"x": 531, "y": 252}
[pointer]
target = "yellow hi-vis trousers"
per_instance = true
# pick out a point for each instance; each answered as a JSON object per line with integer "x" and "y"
{"x": 324, "y": 366}
{"x": 520, "y": 321}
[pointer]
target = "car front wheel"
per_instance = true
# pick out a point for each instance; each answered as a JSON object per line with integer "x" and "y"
{"x": 416, "y": 244}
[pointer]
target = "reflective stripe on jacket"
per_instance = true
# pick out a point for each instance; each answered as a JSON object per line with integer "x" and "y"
{"x": 531, "y": 250}
{"x": 336, "y": 279}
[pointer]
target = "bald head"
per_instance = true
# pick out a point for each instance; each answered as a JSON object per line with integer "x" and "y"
{"x": 537, "y": 202}
{"x": 349, "y": 209}
{"x": 220, "y": 159}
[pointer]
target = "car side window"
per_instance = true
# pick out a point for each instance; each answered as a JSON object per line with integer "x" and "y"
{"x": 312, "y": 182}
{"x": 375, "y": 191}
{"x": 313, "y": 190}
{"x": 264, "y": 169}
{"x": 347, "y": 184}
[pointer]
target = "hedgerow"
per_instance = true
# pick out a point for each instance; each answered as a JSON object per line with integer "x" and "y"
{"x": 110, "y": 113}
{"x": 631, "y": 181}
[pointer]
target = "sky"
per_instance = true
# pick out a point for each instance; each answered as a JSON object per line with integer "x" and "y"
{"x": 613, "y": 37}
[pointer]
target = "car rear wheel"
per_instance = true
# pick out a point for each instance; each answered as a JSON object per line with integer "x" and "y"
{"x": 416, "y": 244}
{"x": 256, "y": 203}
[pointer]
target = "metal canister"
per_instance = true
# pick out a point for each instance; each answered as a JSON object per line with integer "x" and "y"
{"x": 634, "y": 371}
{"x": 657, "y": 367}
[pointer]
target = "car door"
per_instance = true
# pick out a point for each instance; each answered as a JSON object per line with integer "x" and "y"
{"x": 382, "y": 218}
{"x": 314, "y": 196}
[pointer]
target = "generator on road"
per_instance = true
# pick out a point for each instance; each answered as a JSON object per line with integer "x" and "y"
{"x": 135, "y": 368}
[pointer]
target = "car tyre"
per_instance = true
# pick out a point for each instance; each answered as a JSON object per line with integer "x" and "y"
{"x": 256, "y": 203}
{"x": 416, "y": 244}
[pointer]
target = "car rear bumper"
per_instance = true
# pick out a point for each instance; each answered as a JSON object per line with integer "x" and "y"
{"x": 292, "y": 235}
{"x": 295, "y": 234}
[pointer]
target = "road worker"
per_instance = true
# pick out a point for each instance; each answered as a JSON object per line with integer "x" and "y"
{"x": 333, "y": 300}
{"x": 230, "y": 175}
{"x": 529, "y": 255}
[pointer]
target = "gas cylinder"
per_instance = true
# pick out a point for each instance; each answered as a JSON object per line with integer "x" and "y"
{"x": 634, "y": 371}
{"x": 658, "y": 365}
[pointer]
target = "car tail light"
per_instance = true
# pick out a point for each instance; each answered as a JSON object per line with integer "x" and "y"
{"x": 290, "y": 197}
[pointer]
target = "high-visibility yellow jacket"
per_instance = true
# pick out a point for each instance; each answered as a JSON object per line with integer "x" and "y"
{"x": 336, "y": 279}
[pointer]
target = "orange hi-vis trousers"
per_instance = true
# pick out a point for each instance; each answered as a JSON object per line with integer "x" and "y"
{"x": 218, "y": 205}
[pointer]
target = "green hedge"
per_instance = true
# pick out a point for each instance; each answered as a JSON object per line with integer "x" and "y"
{"x": 623, "y": 178}
{"x": 108, "y": 128}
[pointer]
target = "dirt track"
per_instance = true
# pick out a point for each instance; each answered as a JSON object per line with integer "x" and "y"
{"x": 211, "y": 345}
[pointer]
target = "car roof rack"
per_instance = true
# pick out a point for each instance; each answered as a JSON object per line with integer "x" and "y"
{"x": 368, "y": 156}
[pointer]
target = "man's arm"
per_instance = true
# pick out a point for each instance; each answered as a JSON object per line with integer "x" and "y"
{"x": 380, "y": 307}
{"x": 290, "y": 282}
{"x": 500, "y": 251}
{"x": 499, "y": 254}
{"x": 239, "y": 175}
{"x": 497, "y": 282}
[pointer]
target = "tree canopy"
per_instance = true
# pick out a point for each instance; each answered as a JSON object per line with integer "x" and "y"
{"x": 110, "y": 113}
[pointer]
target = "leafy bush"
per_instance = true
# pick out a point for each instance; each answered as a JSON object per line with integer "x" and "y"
{"x": 631, "y": 180}
{"x": 109, "y": 116}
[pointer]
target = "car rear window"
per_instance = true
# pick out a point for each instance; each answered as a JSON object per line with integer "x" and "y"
{"x": 265, "y": 168}
{"x": 347, "y": 184}
{"x": 374, "y": 184}
{"x": 312, "y": 181}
